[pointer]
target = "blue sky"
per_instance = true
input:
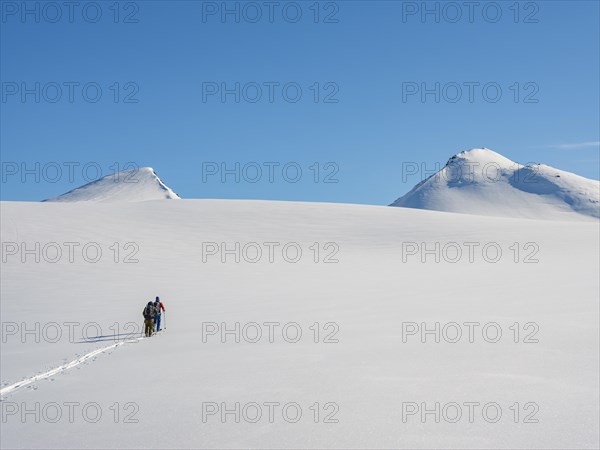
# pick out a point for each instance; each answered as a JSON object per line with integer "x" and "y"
{"x": 359, "y": 123}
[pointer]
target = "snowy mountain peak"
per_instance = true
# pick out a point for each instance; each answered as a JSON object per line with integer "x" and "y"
{"x": 134, "y": 185}
{"x": 481, "y": 156}
{"x": 481, "y": 181}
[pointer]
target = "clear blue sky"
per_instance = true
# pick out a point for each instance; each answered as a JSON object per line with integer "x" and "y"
{"x": 173, "y": 51}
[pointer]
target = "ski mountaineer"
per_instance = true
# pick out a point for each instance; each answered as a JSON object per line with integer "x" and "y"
{"x": 158, "y": 306}
{"x": 148, "y": 314}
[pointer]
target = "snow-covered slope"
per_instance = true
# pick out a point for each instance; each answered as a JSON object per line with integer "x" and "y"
{"x": 135, "y": 185}
{"x": 357, "y": 375}
{"x": 483, "y": 182}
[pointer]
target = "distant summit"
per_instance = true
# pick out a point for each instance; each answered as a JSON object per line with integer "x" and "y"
{"x": 135, "y": 185}
{"x": 481, "y": 181}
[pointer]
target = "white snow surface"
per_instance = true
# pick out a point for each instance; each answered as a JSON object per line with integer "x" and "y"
{"x": 368, "y": 293}
{"x": 481, "y": 181}
{"x": 135, "y": 185}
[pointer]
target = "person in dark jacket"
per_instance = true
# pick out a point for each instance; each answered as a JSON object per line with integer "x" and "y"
{"x": 148, "y": 313}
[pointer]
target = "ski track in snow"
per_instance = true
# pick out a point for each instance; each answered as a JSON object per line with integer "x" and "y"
{"x": 63, "y": 368}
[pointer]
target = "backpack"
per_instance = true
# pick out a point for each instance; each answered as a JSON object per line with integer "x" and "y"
{"x": 157, "y": 306}
{"x": 149, "y": 312}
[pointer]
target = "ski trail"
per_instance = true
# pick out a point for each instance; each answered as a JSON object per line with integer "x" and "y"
{"x": 63, "y": 368}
